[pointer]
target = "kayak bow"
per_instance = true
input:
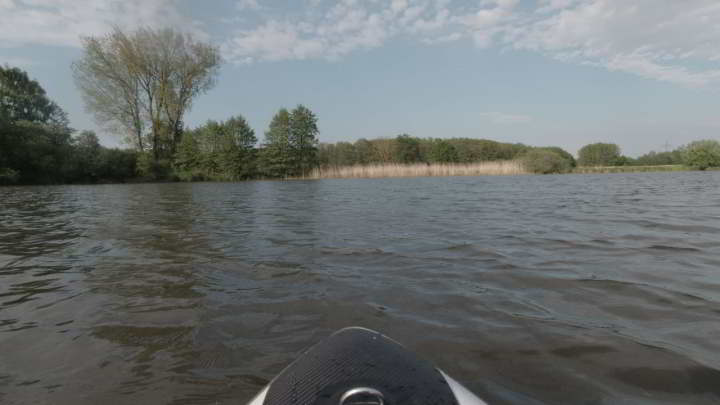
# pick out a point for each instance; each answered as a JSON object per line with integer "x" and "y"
{"x": 359, "y": 366}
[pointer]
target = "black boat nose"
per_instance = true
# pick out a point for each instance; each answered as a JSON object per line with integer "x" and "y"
{"x": 358, "y": 366}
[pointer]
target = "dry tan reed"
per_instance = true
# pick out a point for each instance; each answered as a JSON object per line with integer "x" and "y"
{"x": 629, "y": 169}
{"x": 498, "y": 168}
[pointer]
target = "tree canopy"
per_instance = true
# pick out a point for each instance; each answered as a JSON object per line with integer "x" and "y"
{"x": 702, "y": 154}
{"x": 546, "y": 161}
{"x": 406, "y": 149}
{"x": 599, "y": 154}
{"x": 290, "y": 147}
{"x": 145, "y": 79}
{"x": 222, "y": 150}
{"x": 23, "y": 99}
{"x": 37, "y": 143}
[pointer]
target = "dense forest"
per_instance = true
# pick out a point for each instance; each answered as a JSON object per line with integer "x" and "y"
{"x": 140, "y": 85}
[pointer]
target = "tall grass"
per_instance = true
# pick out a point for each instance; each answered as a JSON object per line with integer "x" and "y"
{"x": 497, "y": 168}
{"x": 630, "y": 169}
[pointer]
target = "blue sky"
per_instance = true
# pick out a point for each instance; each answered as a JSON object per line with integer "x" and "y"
{"x": 641, "y": 73}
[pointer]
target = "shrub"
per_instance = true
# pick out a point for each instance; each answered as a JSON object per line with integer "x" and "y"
{"x": 660, "y": 158}
{"x": 117, "y": 164}
{"x": 702, "y": 154}
{"x": 599, "y": 154}
{"x": 623, "y": 161}
{"x": 443, "y": 152}
{"x": 152, "y": 169}
{"x": 407, "y": 149}
{"x": 542, "y": 161}
{"x": 563, "y": 154}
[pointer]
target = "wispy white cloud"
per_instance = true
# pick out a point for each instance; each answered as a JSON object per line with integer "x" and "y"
{"x": 666, "y": 40}
{"x": 501, "y": 118}
{"x": 675, "y": 41}
{"x": 341, "y": 27}
{"x": 63, "y": 22}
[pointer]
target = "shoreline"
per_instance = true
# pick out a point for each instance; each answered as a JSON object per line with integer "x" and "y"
{"x": 389, "y": 171}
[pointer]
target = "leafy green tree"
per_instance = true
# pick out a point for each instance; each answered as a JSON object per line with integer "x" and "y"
{"x": 480, "y": 150}
{"x": 291, "y": 144}
{"x": 35, "y": 137}
{"x": 346, "y": 154}
{"x": 364, "y": 151}
{"x": 623, "y": 160}
{"x": 337, "y": 154}
{"x": 443, "y": 152}
{"x": 660, "y": 158}
{"x": 188, "y": 158}
{"x": 23, "y": 99}
{"x": 87, "y": 156}
{"x": 222, "y": 150}
{"x": 703, "y": 154}
{"x": 599, "y": 154}
{"x": 562, "y": 153}
{"x": 303, "y": 140}
{"x": 407, "y": 149}
{"x": 236, "y": 148}
{"x": 117, "y": 165}
{"x": 545, "y": 161}
{"x": 384, "y": 150}
{"x": 276, "y": 155}
{"x": 37, "y": 143}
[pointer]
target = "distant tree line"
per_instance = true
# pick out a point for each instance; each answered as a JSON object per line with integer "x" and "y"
{"x": 141, "y": 85}
{"x": 701, "y": 155}
{"x": 407, "y": 149}
{"x": 37, "y": 145}
{"x": 227, "y": 150}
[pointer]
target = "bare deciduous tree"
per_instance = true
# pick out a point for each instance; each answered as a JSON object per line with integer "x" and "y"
{"x": 145, "y": 79}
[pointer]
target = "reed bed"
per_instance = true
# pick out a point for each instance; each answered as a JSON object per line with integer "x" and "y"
{"x": 630, "y": 169}
{"x": 496, "y": 168}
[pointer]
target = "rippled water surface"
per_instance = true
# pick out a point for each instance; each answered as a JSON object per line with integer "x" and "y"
{"x": 597, "y": 289}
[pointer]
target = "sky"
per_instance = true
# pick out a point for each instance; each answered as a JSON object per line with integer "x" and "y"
{"x": 644, "y": 74}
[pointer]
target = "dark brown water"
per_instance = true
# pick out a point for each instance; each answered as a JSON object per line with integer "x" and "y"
{"x": 597, "y": 289}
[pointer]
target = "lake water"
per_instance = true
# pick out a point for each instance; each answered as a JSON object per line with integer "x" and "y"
{"x": 582, "y": 289}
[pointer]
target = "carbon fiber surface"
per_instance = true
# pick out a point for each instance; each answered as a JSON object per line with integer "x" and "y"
{"x": 355, "y": 358}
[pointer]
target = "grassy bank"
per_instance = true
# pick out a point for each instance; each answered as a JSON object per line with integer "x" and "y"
{"x": 630, "y": 169}
{"x": 497, "y": 168}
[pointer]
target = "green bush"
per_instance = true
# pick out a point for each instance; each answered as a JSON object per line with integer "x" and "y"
{"x": 623, "y": 161}
{"x": 117, "y": 164}
{"x": 407, "y": 149}
{"x": 702, "y": 154}
{"x": 563, "y": 154}
{"x": 443, "y": 152}
{"x": 599, "y": 154}
{"x": 660, "y": 158}
{"x": 543, "y": 161}
{"x": 151, "y": 169}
